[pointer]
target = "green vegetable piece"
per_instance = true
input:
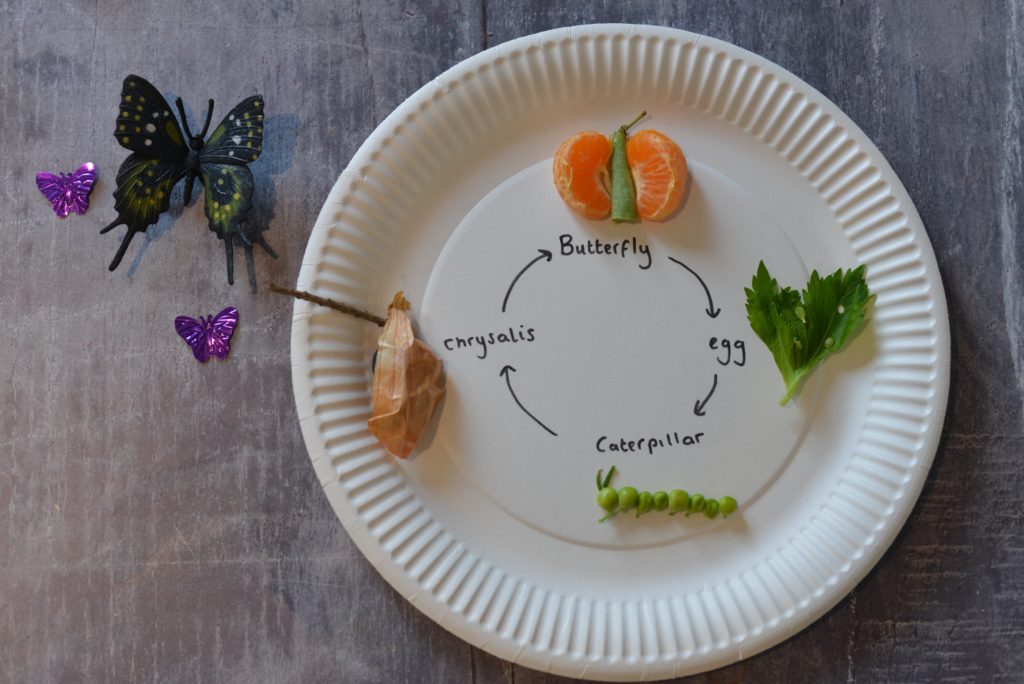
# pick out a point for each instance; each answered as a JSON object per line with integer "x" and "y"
{"x": 602, "y": 483}
{"x": 627, "y": 498}
{"x": 613, "y": 501}
{"x": 696, "y": 504}
{"x": 678, "y": 501}
{"x": 608, "y": 499}
{"x": 623, "y": 189}
{"x": 645, "y": 502}
{"x": 802, "y": 328}
{"x": 727, "y": 505}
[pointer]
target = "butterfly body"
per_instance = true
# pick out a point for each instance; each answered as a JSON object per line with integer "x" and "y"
{"x": 208, "y": 335}
{"x": 162, "y": 156}
{"x": 68, "y": 192}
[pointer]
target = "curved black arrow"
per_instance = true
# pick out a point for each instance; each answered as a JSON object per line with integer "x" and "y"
{"x": 544, "y": 254}
{"x": 711, "y": 310}
{"x": 698, "y": 406}
{"x": 505, "y": 371}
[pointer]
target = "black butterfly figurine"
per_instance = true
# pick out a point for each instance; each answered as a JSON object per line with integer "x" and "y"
{"x": 161, "y": 156}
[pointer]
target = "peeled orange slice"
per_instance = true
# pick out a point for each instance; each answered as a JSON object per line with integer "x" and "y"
{"x": 659, "y": 173}
{"x": 581, "y": 173}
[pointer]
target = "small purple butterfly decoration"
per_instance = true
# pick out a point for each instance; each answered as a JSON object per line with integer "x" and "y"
{"x": 68, "y": 192}
{"x": 210, "y": 335}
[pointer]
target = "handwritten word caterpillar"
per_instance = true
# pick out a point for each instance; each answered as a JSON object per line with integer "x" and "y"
{"x": 625, "y": 499}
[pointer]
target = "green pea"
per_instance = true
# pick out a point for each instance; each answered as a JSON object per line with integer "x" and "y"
{"x": 678, "y": 501}
{"x": 623, "y": 189}
{"x": 627, "y": 498}
{"x": 696, "y": 504}
{"x": 727, "y": 505}
{"x": 711, "y": 508}
{"x": 608, "y": 499}
{"x": 660, "y": 501}
{"x": 645, "y": 502}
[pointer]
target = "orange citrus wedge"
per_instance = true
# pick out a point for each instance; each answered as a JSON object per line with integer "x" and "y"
{"x": 581, "y": 174}
{"x": 659, "y": 174}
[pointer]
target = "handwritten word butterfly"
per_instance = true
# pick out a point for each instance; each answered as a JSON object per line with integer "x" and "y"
{"x": 161, "y": 157}
{"x": 210, "y": 335}
{"x": 68, "y": 192}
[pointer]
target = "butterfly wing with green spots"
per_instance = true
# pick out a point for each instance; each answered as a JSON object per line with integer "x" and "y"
{"x": 145, "y": 123}
{"x": 227, "y": 198}
{"x": 143, "y": 192}
{"x": 146, "y": 126}
{"x": 236, "y": 141}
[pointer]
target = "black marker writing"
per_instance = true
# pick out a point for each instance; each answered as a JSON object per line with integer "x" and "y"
{"x": 482, "y": 342}
{"x": 623, "y": 248}
{"x": 649, "y": 444}
{"x": 740, "y": 358}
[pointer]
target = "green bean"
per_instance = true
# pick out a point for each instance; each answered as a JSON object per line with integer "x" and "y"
{"x": 623, "y": 189}
{"x": 603, "y": 483}
{"x": 614, "y": 501}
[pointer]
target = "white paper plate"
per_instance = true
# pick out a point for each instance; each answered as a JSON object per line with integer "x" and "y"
{"x": 492, "y": 530}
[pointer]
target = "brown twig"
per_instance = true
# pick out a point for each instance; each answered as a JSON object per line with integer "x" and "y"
{"x": 330, "y": 303}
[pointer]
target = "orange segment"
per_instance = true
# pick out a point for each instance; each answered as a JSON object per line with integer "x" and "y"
{"x": 581, "y": 174}
{"x": 659, "y": 174}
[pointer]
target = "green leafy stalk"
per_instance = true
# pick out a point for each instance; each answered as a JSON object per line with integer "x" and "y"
{"x": 623, "y": 189}
{"x": 801, "y": 329}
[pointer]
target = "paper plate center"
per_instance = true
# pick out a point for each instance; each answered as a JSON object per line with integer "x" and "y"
{"x": 572, "y": 345}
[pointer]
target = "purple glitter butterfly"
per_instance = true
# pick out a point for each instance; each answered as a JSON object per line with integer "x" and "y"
{"x": 210, "y": 334}
{"x": 68, "y": 192}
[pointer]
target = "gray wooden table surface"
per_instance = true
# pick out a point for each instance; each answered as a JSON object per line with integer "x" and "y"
{"x": 160, "y": 521}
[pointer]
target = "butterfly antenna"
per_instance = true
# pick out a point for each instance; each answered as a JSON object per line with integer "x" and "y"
{"x": 184, "y": 119}
{"x": 209, "y": 117}
{"x": 122, "y": 249}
